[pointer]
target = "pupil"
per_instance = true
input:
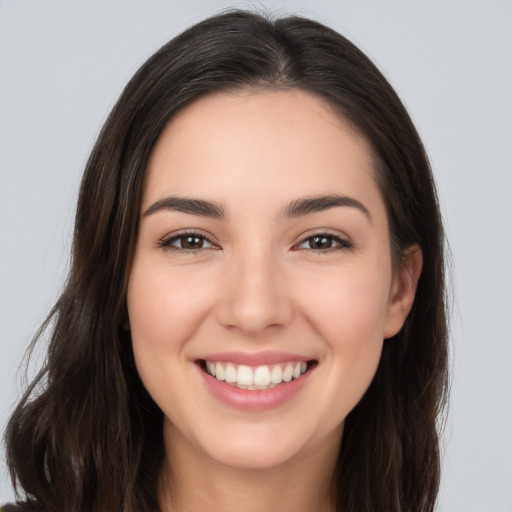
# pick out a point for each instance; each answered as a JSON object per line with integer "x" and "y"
{"x": 192, "y": 242}
{"x": 321, "y": 242}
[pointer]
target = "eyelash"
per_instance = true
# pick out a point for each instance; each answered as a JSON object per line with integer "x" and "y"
{"x": 166, "y": 243}
{"x": 343, "y": 243}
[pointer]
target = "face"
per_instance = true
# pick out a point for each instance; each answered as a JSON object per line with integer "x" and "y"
{"x": 261, "y": 288}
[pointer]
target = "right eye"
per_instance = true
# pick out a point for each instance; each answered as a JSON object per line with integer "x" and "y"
{"x": 186, "y": 242}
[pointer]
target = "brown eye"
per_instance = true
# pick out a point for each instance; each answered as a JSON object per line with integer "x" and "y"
{"x": 191, "y": 242}
{"x": 321, "y": 242}
{"x": 324, "y": 242}
{"x": 186, "y": 242}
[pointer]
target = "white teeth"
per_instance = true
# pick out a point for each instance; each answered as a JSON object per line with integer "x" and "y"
{"x": 258, "y": 378}
{"x": 288, "y": 373}
{"x": 262, "y": 376}
{"x": 244, "y": 376}
{"x": 219, "y": 372}
{"x": 211, "y": 368}
{"x": 276, "y": 376}
{"x": 230, "y": 374}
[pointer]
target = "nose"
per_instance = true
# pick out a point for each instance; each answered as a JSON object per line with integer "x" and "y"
{"x": 256, "y": 295}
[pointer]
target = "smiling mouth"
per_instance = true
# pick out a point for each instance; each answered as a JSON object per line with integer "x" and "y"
{"x": 256, "y": 377}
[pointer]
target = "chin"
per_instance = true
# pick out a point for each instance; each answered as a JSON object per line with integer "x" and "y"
{"x": 252, "y": 455}
{"x": 263, "y": 447}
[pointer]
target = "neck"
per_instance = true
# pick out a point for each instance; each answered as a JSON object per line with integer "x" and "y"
{"x": 192, "y": 481}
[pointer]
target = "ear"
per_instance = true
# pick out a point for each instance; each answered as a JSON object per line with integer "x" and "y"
{"x": 403, "y": 290}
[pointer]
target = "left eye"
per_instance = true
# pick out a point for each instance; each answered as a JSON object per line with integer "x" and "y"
{"x": 186, "y": 242}
{"x": 324, "y": 242}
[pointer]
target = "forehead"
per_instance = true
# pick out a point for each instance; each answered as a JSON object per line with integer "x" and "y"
{"x": 272, "y": 144}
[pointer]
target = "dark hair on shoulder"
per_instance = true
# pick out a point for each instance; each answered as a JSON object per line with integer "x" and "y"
{"x": 86, "y": 436}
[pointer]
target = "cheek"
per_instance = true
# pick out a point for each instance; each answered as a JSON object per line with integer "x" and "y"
{"x": 348, "y": 305}
{"x": 164, "y": 311}
{"x": 348, "y": 312}
{"x": 165, "y": 308}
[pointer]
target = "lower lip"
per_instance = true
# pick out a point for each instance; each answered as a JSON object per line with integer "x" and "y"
{"x": 254, "y": 400}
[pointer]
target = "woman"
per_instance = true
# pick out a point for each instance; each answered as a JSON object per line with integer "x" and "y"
{"x": 254, "y": 316}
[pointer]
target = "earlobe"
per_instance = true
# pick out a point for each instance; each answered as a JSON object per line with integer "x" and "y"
{"x": 403, "y": 290}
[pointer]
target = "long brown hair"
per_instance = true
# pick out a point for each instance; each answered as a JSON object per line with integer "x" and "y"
{"x": 86, "y": 436}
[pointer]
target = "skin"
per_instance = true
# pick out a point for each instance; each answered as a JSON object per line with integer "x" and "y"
{"x": 257, "y": 283}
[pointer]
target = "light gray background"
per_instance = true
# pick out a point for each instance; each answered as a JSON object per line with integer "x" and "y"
{"x": 63, "y": 64}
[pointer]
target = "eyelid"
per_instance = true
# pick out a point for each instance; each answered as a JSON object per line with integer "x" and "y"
{"x": 343, "y": 241}
{"x": 166, "y": 241}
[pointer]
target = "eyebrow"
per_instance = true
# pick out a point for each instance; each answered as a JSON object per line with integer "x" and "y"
{"x": 316, "y": 204}
{"x": 297, "y": 208}
{"x": 188, "y": 205}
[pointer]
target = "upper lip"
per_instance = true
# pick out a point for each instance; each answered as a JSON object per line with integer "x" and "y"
{"x": 254, "y": 359}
